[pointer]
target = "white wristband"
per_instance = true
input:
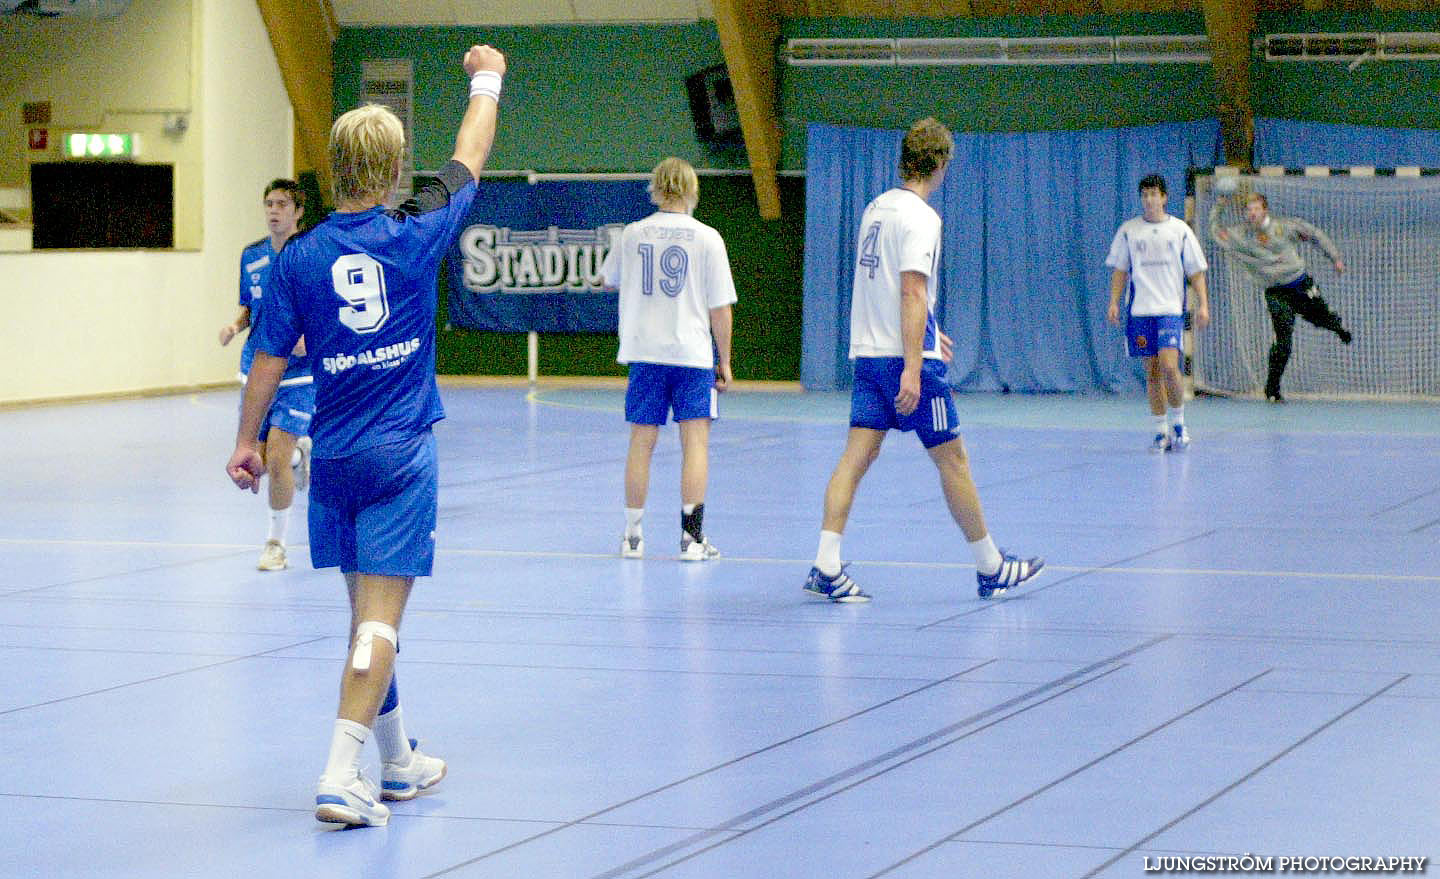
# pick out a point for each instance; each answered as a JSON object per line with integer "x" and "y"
{"x": 485, "y": 82}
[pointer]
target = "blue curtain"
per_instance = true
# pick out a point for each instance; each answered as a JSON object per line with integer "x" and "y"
{"x": 1028, "y": 221}
{"x": 1293, "y": 144}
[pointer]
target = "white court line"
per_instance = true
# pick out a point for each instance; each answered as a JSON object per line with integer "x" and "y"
{"x": 520, "y": 553}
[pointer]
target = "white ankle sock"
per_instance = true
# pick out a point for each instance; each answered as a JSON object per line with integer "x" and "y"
{"x": 390, "y": 737}
{"x": 987, "y": 557}
{"x": 279, "y": 521}
{"x": 1159, "y": 423}
{"x": 346, "y": 744}
{"x": 632, "y": 521}
{"x": 1177, "y": 415}
{"x": 827, "y": 557}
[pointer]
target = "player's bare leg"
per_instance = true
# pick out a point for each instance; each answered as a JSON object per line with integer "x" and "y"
{"x": 1168, "y": 365}
{"x": 862, "y": 447}
{"x": 343, "y": 796}
{"x": 827, "y": 578}
{"x": 996, "y": 571}
{"x": 959, "y": 487}
{"x": 278, "y": 449}
{"x": 637, "y": 486}
{"x": 694, "y": 476}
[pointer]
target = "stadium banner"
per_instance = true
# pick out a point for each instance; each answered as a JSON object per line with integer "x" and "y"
{"x": 529, "y": 255}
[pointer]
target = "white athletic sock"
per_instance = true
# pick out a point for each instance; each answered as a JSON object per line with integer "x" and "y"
{"x": 346, "y": 744}
{"x": 827, "y": 557}
{"x": 1159, "y": 422}
{"x": 687, "y": 509}
{"x": 633, "y": 515}
{"x": 1177, "y": 415}
{"x": 390, "y": 737}
{"x": 279, "y": 521}
{"x": 987, "y": 557}
{"x": 295, "y": 458}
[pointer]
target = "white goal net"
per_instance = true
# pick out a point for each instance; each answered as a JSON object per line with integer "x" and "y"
{"x": 1387, "y": 229}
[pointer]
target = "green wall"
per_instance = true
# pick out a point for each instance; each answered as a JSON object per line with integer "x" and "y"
{"x": 591, "y": 98}
{"x": 612, "y": 98}
{"x": 992, "y": 97}
{"x": 1390, "y": 94}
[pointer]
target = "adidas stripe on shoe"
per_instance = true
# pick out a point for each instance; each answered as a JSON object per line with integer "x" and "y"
{"x": 1013, "y": 571}
{"x": 839, "y": 588}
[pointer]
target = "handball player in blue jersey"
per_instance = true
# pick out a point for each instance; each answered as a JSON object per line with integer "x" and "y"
{"x": 900, "y": 355}
{"x": 285, "y": 432}
{"x": 361, "y": 288}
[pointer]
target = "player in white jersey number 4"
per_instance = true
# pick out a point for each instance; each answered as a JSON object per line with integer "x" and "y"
{"x": 900, "y": 356}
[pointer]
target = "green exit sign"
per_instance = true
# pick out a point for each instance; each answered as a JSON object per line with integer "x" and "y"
{"x": 98, "y": 145}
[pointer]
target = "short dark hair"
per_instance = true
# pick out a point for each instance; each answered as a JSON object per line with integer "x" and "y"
{"x": 289, "y": 187}
{"x": 1153, "y": 181}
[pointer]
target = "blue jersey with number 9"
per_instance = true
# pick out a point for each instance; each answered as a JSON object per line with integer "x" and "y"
{"x": 360, "y": 287}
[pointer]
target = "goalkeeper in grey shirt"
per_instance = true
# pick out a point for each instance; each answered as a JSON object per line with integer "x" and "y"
{"x": 1269, "y": 247}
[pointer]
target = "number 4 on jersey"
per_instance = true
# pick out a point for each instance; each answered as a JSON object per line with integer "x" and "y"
{"x": 870, "y": 249}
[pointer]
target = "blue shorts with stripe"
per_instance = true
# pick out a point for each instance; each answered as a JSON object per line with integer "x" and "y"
{"x": 291, "y": 410}
{"x": 374, "y": 511}
{"x": 655, "y": 389}
{"x": 872, "y": 400}
{"x": 1145, "y": 336}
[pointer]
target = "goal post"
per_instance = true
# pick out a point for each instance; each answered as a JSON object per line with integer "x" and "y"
{"x": 1386, "y": 225}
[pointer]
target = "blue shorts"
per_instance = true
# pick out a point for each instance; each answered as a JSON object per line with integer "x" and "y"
{"x": 655, "y": 388}
{"x": 872, "y": 400}
{"x": 1145, "y": 336}
{"x": 374, "y": 512}
{"x": 291, "y": 411}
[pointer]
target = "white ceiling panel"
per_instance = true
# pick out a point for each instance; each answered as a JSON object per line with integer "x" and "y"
{"x": 508, "y": 13}
{"x": 366, "y": 13}
{"x": 498, "y": 13}
{"x": 645, "y": 10}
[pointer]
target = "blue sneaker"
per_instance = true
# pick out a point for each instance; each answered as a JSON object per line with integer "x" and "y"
{"x": 839, "y": 588}
{"x": 1013, "y": 571}
{"x": 1161, "y": 443}
{"x": 1180, "y": 440}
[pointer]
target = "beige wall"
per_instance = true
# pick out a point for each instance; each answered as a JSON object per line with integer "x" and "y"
{"x": 81, "y": 323}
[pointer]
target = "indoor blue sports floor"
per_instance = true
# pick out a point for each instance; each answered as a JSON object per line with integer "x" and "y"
{"x": 1231, "y": 650}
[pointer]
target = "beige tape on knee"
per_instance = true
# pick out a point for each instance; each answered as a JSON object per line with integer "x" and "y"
{"x": 365, "y": 635}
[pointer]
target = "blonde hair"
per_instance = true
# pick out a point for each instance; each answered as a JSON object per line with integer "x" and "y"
{"x": 366, "y": 146}
{"x": 674, "y": 179}
{"x": 926, "y": 147}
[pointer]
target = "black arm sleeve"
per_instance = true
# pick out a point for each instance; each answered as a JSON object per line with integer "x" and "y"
{"x": 435, "y": 194}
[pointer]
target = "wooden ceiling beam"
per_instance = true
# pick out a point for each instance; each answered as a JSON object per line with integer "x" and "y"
{"x": 1229, "y": 23}
{"x": 748, "y": 32}
{"x": 302, "y": 32}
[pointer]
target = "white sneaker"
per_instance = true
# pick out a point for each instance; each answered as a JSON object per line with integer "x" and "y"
{"x": 632, "y": 547}
{"x": 302, "y": 469}
{"x": 355, "y": 802}
{"x": 272, "y": 557}
{"x": 692, "y": 550}
{"x": 406, "y": 782}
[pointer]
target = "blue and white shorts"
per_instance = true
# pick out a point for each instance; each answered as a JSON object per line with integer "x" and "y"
{"x": 872, "y": 400}
{"x": 1145, "y": 336}
{"x": 655, "y": 389}
{"x": 374, "y": 512}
